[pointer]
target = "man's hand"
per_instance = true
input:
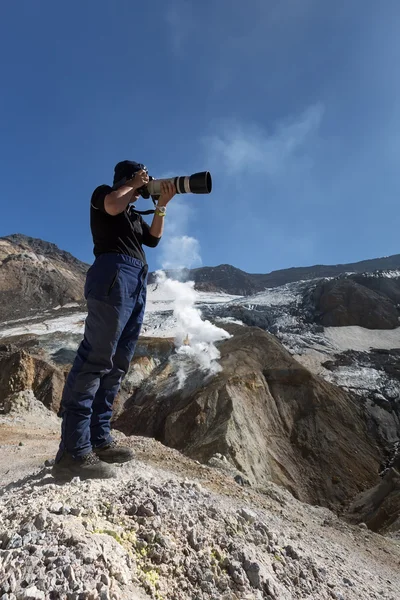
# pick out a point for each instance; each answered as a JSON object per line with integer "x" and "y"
{"x": 116, "y": 202}
{"x": 168, "y": 191}
{"x": 141, "y": 178}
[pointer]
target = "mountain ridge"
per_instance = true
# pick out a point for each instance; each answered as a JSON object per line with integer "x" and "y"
{"x": 207, "y": 278}
{"x": 225, "y": 277}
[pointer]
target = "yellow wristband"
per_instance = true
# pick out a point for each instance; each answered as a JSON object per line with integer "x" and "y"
{"x": 159, "y": 214}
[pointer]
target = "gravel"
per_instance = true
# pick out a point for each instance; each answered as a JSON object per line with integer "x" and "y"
{"x": 155, "y": 534}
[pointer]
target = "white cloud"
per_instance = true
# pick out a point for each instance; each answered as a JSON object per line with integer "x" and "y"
{"x": 179, "y": 214}
{"x": 180, "y": 252}
{"x": 240, "y": 147}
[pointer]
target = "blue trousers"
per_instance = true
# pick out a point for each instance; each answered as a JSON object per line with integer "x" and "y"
{"x": 115, "y": 291}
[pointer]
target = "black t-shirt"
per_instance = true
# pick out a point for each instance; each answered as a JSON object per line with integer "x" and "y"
{"x": 125, "y": 233}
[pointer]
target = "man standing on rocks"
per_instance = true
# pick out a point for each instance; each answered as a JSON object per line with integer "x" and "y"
{"x": 115, "y": 291}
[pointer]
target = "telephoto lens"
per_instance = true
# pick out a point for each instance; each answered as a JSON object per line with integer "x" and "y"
{"x": 198, "y": 183}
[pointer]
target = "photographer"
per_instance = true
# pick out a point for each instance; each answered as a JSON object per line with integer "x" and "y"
{"x": 115, "y": 291}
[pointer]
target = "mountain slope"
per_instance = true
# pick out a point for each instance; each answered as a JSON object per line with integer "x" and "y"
{"x": 36, "y": 276}
{"x": 231, "y": 280}
{"x": 295, "y": 313}
{"x": 267, "y": 414}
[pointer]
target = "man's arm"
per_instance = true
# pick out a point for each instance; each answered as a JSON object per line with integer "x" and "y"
{"x": 116, "y": 201}
{"x": 168, "y": 191}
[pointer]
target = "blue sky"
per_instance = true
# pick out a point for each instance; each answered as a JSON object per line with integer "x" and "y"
{"x": 293, "y": 105}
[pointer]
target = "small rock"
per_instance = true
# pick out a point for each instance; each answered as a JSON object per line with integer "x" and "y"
{"x": 41, "y": 584}
{"x": 150, "y": 536}
{"x": 145, "y": 510}
{"x": 21, "y": 444}
{"x": 240, "y": 480}
{"x": 192, "y": 539}
{"x": 4, "y": 539}
{"x": 303, "y": 574}
{"x": 56, "y": 508}
{"x": 12, "y": 582}
{"x": 348, "y": 582}
{"x": 207, "y": 587}
{"x": 121, "y": 577}
{"x": 337, "y": 595}
{"x": 157, "y": 522}
{"x": 235, "y": 571}
{"x": 291, "y": 552}
{"x": 77, "y": 511}
{"x": 253, "y": 573}
{"x": 70, "y": 574}
{"x": 248, "y": 515}
{"x": 363, "y": 526}
{"x": 104, "y": 578}
{"x": 27, "y": 528}
{"x": 208, "y": 575}
{"x": 163, "y": 541}
{"x": 14, "y": 542}
{"x": 239, "y": 577}
{"x": 29, "y": 538}
{"x": 273, "y": 537}
{"x": 32, "y": 593}
{"x": 322, "y": 571}
{"x": 223, "y": 583}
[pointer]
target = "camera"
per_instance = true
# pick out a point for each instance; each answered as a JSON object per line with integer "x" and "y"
{"x": 198, "y": 183}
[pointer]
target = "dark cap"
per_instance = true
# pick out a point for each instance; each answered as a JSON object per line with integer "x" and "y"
{"x": 126, "y": 169}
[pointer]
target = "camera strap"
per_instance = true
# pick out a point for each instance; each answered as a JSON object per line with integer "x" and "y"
{"x": 143, "y": 212}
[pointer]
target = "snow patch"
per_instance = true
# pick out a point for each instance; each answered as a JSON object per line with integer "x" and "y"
{"x": 359, "y": 338}
{"x": 72, "y": 324}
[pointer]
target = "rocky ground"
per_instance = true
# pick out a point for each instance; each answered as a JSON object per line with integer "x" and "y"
{"x": 170, "y": 528}
{"x": 268, "y": 432}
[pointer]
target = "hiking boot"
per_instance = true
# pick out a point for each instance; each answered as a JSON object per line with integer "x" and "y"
{"x": 84, "y": 467}
{"x": 114, "y": 453}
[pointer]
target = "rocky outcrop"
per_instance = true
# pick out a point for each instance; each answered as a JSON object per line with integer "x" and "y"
{"x": 149, "y": 354}
{"x": 21, "y": 371}
{"x": 375, "y": 377}
{"x": 40, "y": 364}
{"x": 271, "y": 417}
{"x": 379, "y": 507}
{"x": 36, "y": 275}
{"x": 43, "y": 248}
{"x": 342, "y": 302}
